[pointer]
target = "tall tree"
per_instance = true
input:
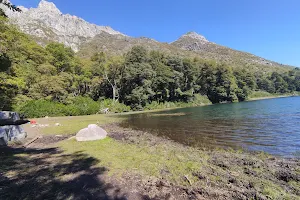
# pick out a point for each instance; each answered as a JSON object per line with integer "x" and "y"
{"x": 137, "y": 78}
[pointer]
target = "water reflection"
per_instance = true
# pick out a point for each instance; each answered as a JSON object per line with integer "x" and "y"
{"x": 268, "y": 125}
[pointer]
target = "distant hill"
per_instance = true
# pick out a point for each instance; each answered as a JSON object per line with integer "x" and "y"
{"x": 46, "y": 23}
{"x": 198, "y": 43}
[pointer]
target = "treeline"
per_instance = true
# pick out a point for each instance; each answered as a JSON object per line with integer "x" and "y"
{"x": 31, "y": 74}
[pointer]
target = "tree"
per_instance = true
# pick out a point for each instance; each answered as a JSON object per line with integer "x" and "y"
{"x": 176, "y": 86}
{"x": 62, "y": 57}
{"x": 137, "y": 79}
{"x": 263, "y": 83}
{"x": 280, "y": 84}
{"x": 246, "y": 82}
{"x": 163, "y": 78}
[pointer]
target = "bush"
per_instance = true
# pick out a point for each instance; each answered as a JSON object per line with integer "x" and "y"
{"x": 42, "y": 108}
{"x": 198, "y": 100}
{"x": 201, "y": 99}
{"x": 260, "y": 94}
{"x": 75, "y": 107}
{"x": 114, "y": 107}
{"x": 82, "y": 106}
{"x": 20, "y": 101}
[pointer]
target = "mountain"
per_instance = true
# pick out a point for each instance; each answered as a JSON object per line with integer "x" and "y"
{"x": 46, "y": 23}
{"x": 198, "y": 43}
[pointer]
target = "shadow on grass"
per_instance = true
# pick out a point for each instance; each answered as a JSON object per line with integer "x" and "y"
{"x": 48, "y": 174}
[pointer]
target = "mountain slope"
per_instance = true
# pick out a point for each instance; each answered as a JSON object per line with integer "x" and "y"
{"x": 46, "y": 23}
{"x": 198, "y": 43}
{"x": 190, "y": 45}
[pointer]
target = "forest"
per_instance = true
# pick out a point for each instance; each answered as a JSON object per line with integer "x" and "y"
{"x": 53, "y": 81}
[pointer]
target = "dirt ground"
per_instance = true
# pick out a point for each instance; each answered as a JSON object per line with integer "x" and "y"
{"x": 43, "y": 171}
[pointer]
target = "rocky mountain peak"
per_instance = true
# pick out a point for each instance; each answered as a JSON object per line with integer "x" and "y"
{"x": 48, "y": 6}
{"x": 195, "y": 35}
{"x": 47, "y": 23}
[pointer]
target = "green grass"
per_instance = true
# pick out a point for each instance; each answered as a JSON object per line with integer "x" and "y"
{"x": 149, "y": 161}
{"x": 264, "y": 94}
{"x": 272, "y": 191}
{"x": 199, "y": 100}
{"x": 174, "y": 163}
{"x": 71, "y": 125}
{"x": 154, "y": 157}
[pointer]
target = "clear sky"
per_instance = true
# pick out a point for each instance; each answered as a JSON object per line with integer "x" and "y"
{"x": 267, "y": 28}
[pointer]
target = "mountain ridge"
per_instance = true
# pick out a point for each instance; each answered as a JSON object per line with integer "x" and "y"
{"x": 47, "y": 23}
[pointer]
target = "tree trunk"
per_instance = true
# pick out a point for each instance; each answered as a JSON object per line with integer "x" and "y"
{"x": 114, "y": 93}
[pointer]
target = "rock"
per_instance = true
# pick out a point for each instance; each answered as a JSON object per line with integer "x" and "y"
{"x": 196, "y": 36}
{"x": 58, "y": 136}
{"x": 91, "y": 133}
{"x": 47, "y": 22}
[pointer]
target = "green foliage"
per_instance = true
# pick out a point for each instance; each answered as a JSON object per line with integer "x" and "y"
{"x": 42, "y": 108}
{"x": 139, "y": 79}
{"x": 114, "y": 106}
{"x": 81, "y": 106}
{"x": 259, "y": 94}
{"x": 20, "y": 101}
{"x": 198, "y": 100}
{"x": 63, "y": 57}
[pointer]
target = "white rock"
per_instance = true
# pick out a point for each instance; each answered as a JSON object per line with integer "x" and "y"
{"x": 196, "y": 36}
{"x": 91, "y": 133}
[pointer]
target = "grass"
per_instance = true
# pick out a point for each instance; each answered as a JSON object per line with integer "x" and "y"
{"x": 71, "y": 125}
{"x": 272, "y": 191}
{"x": 256, "y": 95}
{"x": 180, "y": 165}
{"x": 149, "y": 156}
{"x": 148, "y": 161}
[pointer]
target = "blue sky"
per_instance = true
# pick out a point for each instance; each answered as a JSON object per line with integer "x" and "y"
{"x": 267, "y": 28}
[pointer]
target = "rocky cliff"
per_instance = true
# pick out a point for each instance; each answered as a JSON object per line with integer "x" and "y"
{"x": 46, "y": 22}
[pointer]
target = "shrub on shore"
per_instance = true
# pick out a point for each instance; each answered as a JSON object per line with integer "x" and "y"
{"x": 75, "y": 107}
{"x": 42, "y": 108}
{"x": 114, "y": 106}
{"x": 198, "y": 100}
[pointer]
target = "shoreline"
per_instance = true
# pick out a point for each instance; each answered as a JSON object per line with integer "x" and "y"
{"x": 144, "y": 165}
{"x": 271, "y": 97}
{"x": 167, "y": 109}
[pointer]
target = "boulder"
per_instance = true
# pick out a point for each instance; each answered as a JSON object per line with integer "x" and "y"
{"x": 91, "y": 133}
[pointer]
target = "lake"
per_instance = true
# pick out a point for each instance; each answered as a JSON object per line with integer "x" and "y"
{"x": 271, "y": 125}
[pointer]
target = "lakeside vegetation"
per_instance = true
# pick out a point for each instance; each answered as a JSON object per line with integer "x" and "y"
{"x": 265, "y": 95}
{"x": 128, "y": 155}
{"x": 54, "y": 81}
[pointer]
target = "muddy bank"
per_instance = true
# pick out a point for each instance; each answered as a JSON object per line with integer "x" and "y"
{"x": 221, "y": 174}
{"x": 226, "y": 175}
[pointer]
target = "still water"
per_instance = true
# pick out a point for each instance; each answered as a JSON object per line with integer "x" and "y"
{"x": 271, "y": 125}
